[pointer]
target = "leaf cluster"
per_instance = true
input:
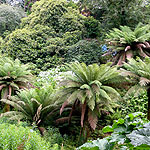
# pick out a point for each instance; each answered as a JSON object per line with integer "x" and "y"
{"x": 119, "y": 138}
{"x": 13, "y": 76}
{"x": 35, "y": 106}
{"x": 128, "y": 43}
{"x": 85, "y": 51}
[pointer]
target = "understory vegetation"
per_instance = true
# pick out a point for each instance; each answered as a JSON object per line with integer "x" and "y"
{"x": 74, "y": 75}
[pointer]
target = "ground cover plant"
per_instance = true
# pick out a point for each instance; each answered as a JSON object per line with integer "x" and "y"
{"x": 122, "y": 134}
{"x": 134, "y": 103}
{"x": 17, "y": 137}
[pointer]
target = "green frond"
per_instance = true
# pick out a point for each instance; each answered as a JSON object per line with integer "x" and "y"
{"x": 85, "y": 86}
{"x": 139, "y": 69}
{"x": 72, "y": 97}
{"x": 13, "y": 115}
{"x": 81, "y": 95}
{"x": 91, "y": 103}
{"x": 124, "y": 39}
{"x": 134, "y": 90}
{"x": 110, "y": 90}
{"x": 17, "y": 117}
{"x": 88, "y": 85}
{"x": 104, "y": 94}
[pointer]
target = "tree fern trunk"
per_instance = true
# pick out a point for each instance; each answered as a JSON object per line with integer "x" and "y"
{"x": 148, "y": 95}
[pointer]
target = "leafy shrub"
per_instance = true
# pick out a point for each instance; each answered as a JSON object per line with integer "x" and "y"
{"x": 10, "y": 17}
{"x": 44, "y": 34}
{"x": 135, "y": 104}
{"x": 92, "y": 27}
{"x": 84, "y": 51}
{"x": 59, "y": 16}
{"x": 14, "y": 137}
{"x": 31, "y": 45}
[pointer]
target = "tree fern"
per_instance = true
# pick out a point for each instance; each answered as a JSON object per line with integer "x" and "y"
{"x": 88, "y": 85}
{"x": 13, "y": 76}
{"x": 34, "y": 105}
{"x": 128, "y": 43}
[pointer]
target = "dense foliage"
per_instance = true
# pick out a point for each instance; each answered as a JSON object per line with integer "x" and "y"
{"x": 122, "y": 134}
{"x": 10, "y": 18}
{"x": 118, "y": 12}
{"x": 140, "y": 71}
{"x": 69, "y": 104}
{"x": 134, "y": 103}
{"x": 42, "y": 37}
{"x": 87, "y": 51}
{"x": 17, "y": 137}
{"x": 35, "y": 106}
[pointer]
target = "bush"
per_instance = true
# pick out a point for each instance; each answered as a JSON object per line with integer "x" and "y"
{"x": 14, "y": 137}
{"x": 31, "y": 45}
{"x": 135, "y": 104}
{"x": 84, "y": 51}
{"x": 10, "y": 17}
{"x": 55, "y": 14}
{"x": 44, "y": 34}
{"x": 92, "y": 27}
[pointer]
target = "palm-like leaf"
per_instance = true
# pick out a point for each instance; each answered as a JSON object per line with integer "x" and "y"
{"x": 138, "y": 69}
{"x": 34, "y": 105}
{"x": 139, "y": 72}
{"x": 13, "y": 76}
{"x": 129, "y": 42}
{"x": 88, "y": 85}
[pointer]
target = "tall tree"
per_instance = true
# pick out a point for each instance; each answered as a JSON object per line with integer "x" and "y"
{"x": 113, "y": 13}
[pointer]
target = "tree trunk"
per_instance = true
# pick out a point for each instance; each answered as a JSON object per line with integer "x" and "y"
{"x": 148, "y": 95}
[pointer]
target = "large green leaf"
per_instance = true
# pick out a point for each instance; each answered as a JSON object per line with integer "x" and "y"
{"x": 99, "y": 144}
{"x": 139, "y": 137}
